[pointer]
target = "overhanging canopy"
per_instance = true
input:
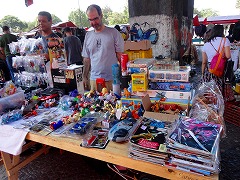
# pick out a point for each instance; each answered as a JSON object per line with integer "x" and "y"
{"x": 64, "y": 24}
{"x": 221, "y": 19}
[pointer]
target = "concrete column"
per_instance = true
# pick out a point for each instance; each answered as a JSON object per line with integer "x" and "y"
{"x": 172, "y": 18}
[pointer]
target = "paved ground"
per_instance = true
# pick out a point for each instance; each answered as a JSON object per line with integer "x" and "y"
{"x": 69, "y": 166}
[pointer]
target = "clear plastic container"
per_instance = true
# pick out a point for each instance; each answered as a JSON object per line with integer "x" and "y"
{"x": 13, "y": 101}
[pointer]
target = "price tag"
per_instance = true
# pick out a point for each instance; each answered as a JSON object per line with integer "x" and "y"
{"x": 69, "y": 74}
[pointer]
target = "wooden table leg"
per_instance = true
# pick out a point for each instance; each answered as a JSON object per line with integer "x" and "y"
{"x": 9, "y": 162}
{"x": 1, "y": 161}
{"x": 13, "y": 164}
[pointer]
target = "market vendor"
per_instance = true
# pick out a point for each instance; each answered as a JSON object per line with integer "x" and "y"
{"x": 102, "y": 48}
{"x": 45, "y": 26}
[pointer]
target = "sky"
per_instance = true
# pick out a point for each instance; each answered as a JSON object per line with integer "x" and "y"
{"x": 224, "y": 7}
{"x": 62, "y": 8}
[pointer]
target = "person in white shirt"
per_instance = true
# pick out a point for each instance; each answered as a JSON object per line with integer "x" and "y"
{"x": 208, "y": 52}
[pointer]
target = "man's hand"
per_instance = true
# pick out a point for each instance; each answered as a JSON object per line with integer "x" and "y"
{"x": 86, "y": 84}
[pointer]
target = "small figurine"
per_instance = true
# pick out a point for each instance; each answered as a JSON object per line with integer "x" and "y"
{"x": 126, "y": 93}
{"x": 104, "y": 91}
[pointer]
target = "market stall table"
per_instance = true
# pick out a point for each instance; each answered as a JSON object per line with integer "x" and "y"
{"x": 116, "y": 153}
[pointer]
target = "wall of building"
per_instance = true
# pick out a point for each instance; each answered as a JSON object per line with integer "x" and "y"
{"x": 172, "y": 18}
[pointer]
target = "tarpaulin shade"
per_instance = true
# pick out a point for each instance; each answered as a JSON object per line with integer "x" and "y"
{"x": 64, "y": 24}
{"x": 220, "y": 20}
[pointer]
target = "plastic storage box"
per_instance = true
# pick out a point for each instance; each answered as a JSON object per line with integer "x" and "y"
{"x": 13, "y": 101}
{"x": 138, "y": 54}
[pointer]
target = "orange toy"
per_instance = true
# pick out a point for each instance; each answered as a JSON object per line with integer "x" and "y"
{"x": 126, "y": 93}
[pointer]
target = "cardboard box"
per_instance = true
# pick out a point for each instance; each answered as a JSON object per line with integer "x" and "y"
{"x": 139, "y": 82}
{"x": 159, "y": 75}
{"x": 137, "y": 45}
{"x": 165, "y": 64}
{"x": 168, "y": 94}
{"x": 184, "y": 104}
{"x": 140, "y": 65}
{"x": 69, "y": 78}
{"x": 146, "y": 102}
{"x": 171, "y": 86}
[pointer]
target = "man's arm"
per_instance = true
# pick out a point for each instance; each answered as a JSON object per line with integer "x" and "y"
{"x": 86, "y": 70}
{"x": 119, "y": 54}
{"x": 204, "y": 61}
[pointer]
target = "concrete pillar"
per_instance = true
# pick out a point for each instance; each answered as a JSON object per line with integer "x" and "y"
{"x": 172, "y": 18}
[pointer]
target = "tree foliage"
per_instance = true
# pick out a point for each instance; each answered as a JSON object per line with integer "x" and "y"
{"x": 79, "y": 18}
{"x": 55, "y": 19}
{"x": 31, "y": 25}
{"x": 14, "y": 23}
{"x": 114, "y": 18}
{"x": 237, "y": 4}
{"x": 106, "y": 12}
{"x": 109, "y": 17}
{"x": 205, "y": 12}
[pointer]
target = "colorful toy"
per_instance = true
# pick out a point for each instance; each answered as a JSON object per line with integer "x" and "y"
{"x": 126, "y": 93}
{"x": 56, "y": 125}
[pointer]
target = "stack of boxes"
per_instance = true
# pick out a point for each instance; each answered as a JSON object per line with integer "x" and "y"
{"x": 169, "y": 79}
{"x": 156, "y": 77}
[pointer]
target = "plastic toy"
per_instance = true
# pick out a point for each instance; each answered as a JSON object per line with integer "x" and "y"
{"x": 11, "y": 116}
{"x": 121, "y": 131}
{"x": 126, "y": 93}
{"x": 56, "y": 125}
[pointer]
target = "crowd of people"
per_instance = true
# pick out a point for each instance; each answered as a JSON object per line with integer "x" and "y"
{"x": 102, "y": 47}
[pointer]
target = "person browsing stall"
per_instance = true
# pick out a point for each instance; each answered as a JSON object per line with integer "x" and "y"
{"x": 73, "y": 47}
{"x": 6, "y": 39}
{"x": 102, "y": 48}
{"x": 45, "y": 26}
{"x": 208, "y": 52}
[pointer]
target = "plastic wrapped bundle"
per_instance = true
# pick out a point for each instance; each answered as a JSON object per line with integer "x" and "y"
{"x": 208, "y": 104}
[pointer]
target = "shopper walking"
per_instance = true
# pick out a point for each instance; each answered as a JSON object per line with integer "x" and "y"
{"x": 208, "y": 52}
{"x": 6, "y": 39}
{"x": 102, "y": 48}
{"x": 73, "y": 47}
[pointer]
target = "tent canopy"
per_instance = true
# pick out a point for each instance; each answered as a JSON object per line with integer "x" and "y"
{"x": 64, "y": 24}
{"x": 220, "y": 19}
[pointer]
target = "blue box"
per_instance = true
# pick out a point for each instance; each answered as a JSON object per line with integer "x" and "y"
{"x": 171, "y": 86}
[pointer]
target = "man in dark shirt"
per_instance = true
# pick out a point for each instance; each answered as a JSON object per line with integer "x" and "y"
{"x": 6, "y": 39}
{"x": 58, "y": 32}
{"x": 73, "y": 48}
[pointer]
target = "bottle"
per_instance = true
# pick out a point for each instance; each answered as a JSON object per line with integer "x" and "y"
{"x": 124, "y": 61}
{"x": 116, "y": 73}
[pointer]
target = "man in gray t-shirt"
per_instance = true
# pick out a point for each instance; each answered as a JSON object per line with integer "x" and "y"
{"x": 102, "y": 48}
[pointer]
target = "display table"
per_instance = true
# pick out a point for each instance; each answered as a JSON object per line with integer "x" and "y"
{"x": 115, "y": 153}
